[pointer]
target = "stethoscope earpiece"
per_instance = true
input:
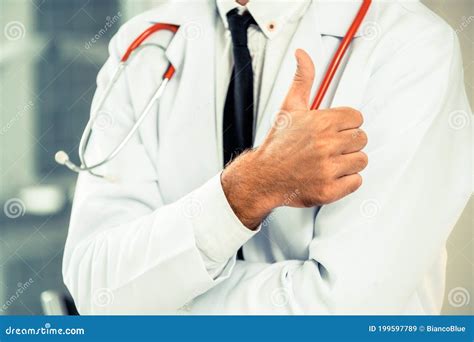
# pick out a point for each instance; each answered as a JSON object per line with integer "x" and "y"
{"x": 61, "y": 157}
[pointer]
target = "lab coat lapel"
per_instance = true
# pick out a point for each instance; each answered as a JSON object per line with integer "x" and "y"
{"x": 187, "y": 136}
{"x": 308, "y": 38}
{"x": 144, "y": 71}
{"x": 352, "y": 84}
{"x": 349, "y": 82}
{"x": 181, "y": 139}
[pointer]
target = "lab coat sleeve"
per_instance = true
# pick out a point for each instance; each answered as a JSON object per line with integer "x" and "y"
{"x": 372, "y": 249}
{"x": 127, "y": 252}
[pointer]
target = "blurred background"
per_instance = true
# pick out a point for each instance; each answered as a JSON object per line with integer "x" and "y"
{"x": 50, "y": 53}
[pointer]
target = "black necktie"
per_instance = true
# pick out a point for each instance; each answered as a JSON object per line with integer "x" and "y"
{"x": 238, "y": 109}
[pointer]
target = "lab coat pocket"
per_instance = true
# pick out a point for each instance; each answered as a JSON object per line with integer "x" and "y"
{"x": 132, "y": 165}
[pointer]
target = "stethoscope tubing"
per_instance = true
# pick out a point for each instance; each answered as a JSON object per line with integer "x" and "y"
{"x": 63, "y": 158}
{"x": 340, "y": 53}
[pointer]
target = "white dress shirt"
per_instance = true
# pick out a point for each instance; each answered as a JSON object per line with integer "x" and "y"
{"x": 267, "y": 43}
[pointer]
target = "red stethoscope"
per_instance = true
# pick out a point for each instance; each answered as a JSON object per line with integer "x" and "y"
{"x": 63, "y": 158}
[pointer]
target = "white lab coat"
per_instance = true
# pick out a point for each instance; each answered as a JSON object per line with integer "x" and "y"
{"x": 131, "y": 247}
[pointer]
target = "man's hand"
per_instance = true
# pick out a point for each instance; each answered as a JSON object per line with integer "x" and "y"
{"x": 310, "y": 157}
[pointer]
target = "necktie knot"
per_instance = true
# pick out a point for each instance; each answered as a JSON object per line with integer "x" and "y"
{"x": 238, "y": 25}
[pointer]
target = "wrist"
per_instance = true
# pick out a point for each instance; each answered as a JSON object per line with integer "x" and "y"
{"x": 247, "y": 190}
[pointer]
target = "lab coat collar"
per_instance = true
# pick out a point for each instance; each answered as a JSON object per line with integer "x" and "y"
{"x": 334, "y": 17}
{"x": 195, "y": 20}
{"x": 271, "y": 16}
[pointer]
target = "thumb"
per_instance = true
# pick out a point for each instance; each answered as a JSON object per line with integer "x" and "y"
{"x": 300, "y": 90}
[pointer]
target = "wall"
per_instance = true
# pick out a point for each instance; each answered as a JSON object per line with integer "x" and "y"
{"x": 18, "y": 44}
{"x": 460, "y": 278}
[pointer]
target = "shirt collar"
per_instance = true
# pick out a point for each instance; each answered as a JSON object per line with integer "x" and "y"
{"x": 271, "y": 16}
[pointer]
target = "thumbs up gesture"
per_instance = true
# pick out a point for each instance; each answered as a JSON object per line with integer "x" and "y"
{"x": 312, "y": 157}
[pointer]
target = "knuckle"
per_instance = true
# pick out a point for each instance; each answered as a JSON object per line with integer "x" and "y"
{"x": 358, "y": 139}
{"x": 363, "y": 160}
{"x": 328, "y": 170}
{"x": 320, "y": 115}
{"x": 324, "y": 172}
{"x": 300, "y": 76}
{"x": 324, "y": 120}
{"x": 345, "y": 109}
{"x": 353, "y": 114}
{"x": 363, "y": 137}
{"x": 322, "y": 147}
{"x": 326, "y": 194}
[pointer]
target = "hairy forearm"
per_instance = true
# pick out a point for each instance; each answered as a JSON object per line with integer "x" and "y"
{"x": 246, "y": 189}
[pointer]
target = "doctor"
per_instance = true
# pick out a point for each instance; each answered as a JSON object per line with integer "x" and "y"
{"x": 164, "y": 237}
